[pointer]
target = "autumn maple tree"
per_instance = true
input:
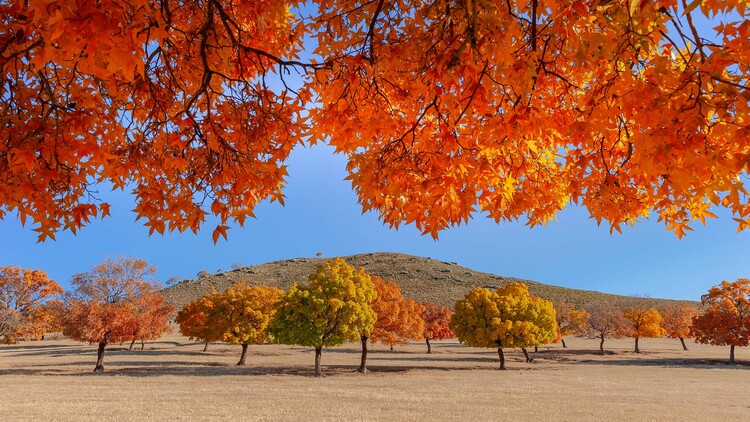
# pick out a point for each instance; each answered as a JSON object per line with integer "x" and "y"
{"x": 508, "y": 317}
{"x": 23, "y": 295}
{"x": 193, "y": 320}
{"x": 150, "y": 316}
{"x": 444, "y": 109}
{"x": 331, "y": 309}
{"x": 677, "y": 320}
{"x": 105, "y": 305}
{"x": 569, "y": 320}
{"x": 726, "y": 322}
{"x": 604, "y": 321}
{"x": 437, "y": 320}
{"x": 642, "y": 322}
{"x": 397, "y": 320}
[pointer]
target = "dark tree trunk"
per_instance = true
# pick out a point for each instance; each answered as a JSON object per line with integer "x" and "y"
{"x": 391, "y": 347}
{"x": 601, "y": 344}
{"x": 429, "y": 347}
{"x": 682, "y": 340}
{"x": 536, "y": 349}
{"x": 501, "y": 355}
{"x": 563, "y": 343}
{"x": 318, "y": 352}
{"x": 529, "y": 359}
{"x": 637, "y": 350}
{"x": 363, "y": 361}
{"x": 242, "y": 356}
{"x": 731, "y": 354}
{"x": 100, "y": 357}
{"x": 205, "y": 348}
{"x": 131, "y": 344}
{"x": 142, "y": 345}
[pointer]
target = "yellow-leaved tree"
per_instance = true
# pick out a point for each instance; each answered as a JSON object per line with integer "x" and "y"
{"x": 508, "y": 317}
{"x": 331, "y": 309}
{"x": 240, "y": 315}
{"x": 643, "y": 323}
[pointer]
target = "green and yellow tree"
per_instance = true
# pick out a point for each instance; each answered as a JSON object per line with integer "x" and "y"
{"x": 508, "y": 317}
{"x": 677, "y": 321}
{"x": 643, "y": 323}
{"x": 726, "y": 322}
{"x": 331, "y": 309}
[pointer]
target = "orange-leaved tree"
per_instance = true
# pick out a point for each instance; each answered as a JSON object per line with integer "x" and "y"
{"x": 569, "y": 320}
{"x": 242, "y": 315}
{"x": 331, "y": 309}
{"x": 604, "y": 321}
{"x": 193, "y": 320}
{"x": 398, "y": 319}
{"x": 104, "y": 303}
{"x": 23, "y": 294}
{"x": 437, "y": 320}
{"x": 443, "y": 108}
{"x": 726, "y": 322}
{"x": 508, "y": 317}
{"x": 150, "y": 317}
{"x": 643, "y": 323}
{"x": 677, "y": 320}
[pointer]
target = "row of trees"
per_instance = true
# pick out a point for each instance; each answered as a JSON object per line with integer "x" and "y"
{"x": 339, "y": 304}
{"x": 115, "y": 302}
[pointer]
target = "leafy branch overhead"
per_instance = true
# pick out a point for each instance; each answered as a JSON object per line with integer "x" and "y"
{"x": 444, "y": 108}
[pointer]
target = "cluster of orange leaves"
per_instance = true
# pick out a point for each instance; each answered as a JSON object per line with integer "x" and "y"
{"x": 398, "y": 319}
{"x": 444, "y": 108}
{"x": 727, "y": 319}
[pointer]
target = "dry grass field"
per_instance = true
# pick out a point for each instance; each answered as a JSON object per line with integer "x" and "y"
{"x": 174, "y": 380}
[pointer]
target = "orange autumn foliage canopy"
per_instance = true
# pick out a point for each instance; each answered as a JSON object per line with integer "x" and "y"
{"x": 398, "y": 319}
{"x": 445, "y": 109}
{"x": 23, "y": 293}
{"x": 726, "y": 322}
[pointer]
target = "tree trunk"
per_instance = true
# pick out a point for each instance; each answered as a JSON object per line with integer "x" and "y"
{"x": 363, "y": 361}
{"x": 682, "y": 340}
{"x": 131, "y": 344}
{"x": 637, "y": 350}
{"x": 318, "y": 351}
{"x": 601, "y": 344}
{"x": 731, "y": 354}
{"x": 563, "y": 343}
{"x": 242, "y": 356}
{"x": 391, "y": 347}
{"x": 529, "y": 359}
{"x": 429, "y": 347}
{"x": 205, "y": 348}
{"x": 536, "y": 349}
{"x": 100, "y": 356}
{"x": 142, "y": 345}
{"x": 501, "y": 355}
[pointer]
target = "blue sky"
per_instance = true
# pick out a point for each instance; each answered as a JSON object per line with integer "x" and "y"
{"x": 322, "y": 215}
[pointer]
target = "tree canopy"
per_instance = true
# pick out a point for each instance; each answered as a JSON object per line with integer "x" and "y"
{"x": 445, "y": 109}
{"x": 508, "y": 317}
{"x": 23, "y": 294}
{"x": 726, "y": 322}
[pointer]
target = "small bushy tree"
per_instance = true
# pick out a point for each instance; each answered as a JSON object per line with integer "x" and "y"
{"x": 437, "y": 320}
{"x": 726, "y": 322}
{"x": 508, "y": 317}
{"x": 677, "y": 321}
{"x": 331, "y": 309}
{"x": 643, "y": 323}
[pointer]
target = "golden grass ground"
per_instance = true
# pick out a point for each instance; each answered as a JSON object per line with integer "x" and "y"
{"x": 173, "y": 380}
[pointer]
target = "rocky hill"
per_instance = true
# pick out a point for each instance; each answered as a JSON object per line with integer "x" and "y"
{"x": 422, "y": 279}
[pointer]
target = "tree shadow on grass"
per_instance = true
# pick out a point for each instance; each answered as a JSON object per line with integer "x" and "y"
{"x": 696, "y": 363}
